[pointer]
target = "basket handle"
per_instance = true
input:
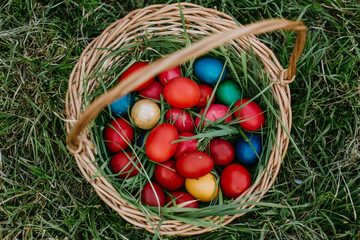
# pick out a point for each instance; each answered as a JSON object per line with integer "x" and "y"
{"x": 197, "y": 49}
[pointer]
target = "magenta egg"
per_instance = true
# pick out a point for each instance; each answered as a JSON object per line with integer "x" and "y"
{"x": 181, "y": 119}
{"x": 153, "y": 91}
{"x": 215, "y": 112}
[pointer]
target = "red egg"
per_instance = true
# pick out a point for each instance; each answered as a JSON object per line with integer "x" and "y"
{"x": 133, "y": 68}
{"x": 153, "y": 91}
{"x": 182, "y": 92}
{"x": 194, "y": 164}
{"x": 159, "y": 144}
{"x": 215, "y": 112}
{"x": 234, "y": 180}
{"x": 151, "y": 197}
{"x": 118, "y": 134}
{"x": 186, "y": 146}
{"x": 123, "y": 163}
{"x": 206, "y": 92}
{"x": 251, "y": 117}
{"x": 221, "y": 151}
{"x": 181, "y": 199}
{"x": 169, "y": 74}
{"x": 181, "y": 119}
{"x": 167, "y": 176}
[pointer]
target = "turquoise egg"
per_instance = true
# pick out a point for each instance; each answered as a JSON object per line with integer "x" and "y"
{"x": 228, "y": 92}
{"x": 121, "y": 105}
{"x": 208, "y": 70}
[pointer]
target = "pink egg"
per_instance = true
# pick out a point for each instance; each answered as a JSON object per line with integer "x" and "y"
{"x": 215, "y": 112}
{"x": 181, "y": 119}
{"x": 153, "y": 91}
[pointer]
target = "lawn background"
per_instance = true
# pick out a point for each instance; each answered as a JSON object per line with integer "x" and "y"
{"x": 44, "y": 196}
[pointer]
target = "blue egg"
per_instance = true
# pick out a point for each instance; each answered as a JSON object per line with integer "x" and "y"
{"x": 140, "y": 142}
{"x": 121, "y": 105}
{"x": 208, "y": 70}
{"x": 248, "y": 152}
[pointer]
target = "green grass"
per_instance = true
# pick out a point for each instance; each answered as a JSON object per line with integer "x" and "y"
{"x": 42, "y": 192}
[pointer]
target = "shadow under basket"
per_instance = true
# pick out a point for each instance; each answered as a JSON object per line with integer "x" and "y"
{"x": 214, "y": 28}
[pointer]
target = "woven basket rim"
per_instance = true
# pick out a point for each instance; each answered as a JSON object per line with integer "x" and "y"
{"x": 114, "y": 36}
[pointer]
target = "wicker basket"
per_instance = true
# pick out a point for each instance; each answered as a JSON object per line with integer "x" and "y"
{"x": 166, "y": 20}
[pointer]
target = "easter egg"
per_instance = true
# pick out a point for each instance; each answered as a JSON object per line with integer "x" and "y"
{"x": 248, "y": 150}
{"x": 122, "y": 105}
{"x": 159, "y": 144}
{"x": 250, "y": 115}
{"x": 221, "y": 151}
{"x": 181, "y": 119}
{"x": 123, "y": 164}
{"x": 118, "y": 134}
{"x": 206, "y": 92}
{"x": 169, "y": 74}
{"x": 204, "y": 188}
{"x": 153, "y": 91}
{"x": 145, "y": 113}
{"x": 234, "y": 180}
{"x": 194, "y": 164}
{"x": 209, "y": 69}
{"x": 153, "y": 195}
{"x": 185, "y": 146}
{"x": 182, "y": 92}
{"x": 215, "y": 112}
{"x": 181, "y": 199}
{"x": 133, "y": 68}
{"x": 141, "y": 139}
{"x": 167, "y": 176}
{"x": 228, "y": 92}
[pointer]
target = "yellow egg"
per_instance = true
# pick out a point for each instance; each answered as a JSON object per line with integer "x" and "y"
{"x": 204, "y": 188}
{"x": 145, "y": 113}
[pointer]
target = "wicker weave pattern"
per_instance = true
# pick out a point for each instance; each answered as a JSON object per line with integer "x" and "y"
{"x": 166, "y": 20}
